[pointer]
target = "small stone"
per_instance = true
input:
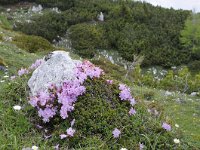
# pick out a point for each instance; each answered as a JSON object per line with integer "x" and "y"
{"x": 167, "y": 93}
{"x": 27, "y": 148}
{"x": 193, "y": 94}
{"x": 17, "y": 107}
{"x": 35, "y": 147}
{"x": 176, "y": 125}
{"x": 177, "y": 141}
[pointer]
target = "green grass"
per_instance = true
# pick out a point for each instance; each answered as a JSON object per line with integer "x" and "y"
{"x": 14, "y": 57}
{"x": 4, "y": 22}
{"x": 16, "y": 131}
{"x": 185, "y": 113}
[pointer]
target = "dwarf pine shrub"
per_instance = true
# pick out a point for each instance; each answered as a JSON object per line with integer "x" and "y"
{"x": 32, "y": 43}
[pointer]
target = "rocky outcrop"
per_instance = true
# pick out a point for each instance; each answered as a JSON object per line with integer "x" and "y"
{"x": 57, "y": 67}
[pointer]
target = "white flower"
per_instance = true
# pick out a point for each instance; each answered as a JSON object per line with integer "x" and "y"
{"x": 2, "y": 81}
{"x": 35, "y": 147}
{"x": 17, "y": 107}
{"x": 6, "y": 76}
{"x": 176, "y": 125}
{"x": 123, "y": 149}
{"x": 177, "y": 141}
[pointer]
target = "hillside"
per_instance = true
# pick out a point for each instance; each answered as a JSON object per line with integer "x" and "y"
{"x": 167, "y": 99}
{"x": 127, "y": 27}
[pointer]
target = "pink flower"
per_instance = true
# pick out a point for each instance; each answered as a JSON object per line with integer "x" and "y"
{"x": 72, "y": 122}
{"x": 57, "y": 147}
{"x": 132, "y": 102}
{"x": 33, "y": 101}
{"x": 109, "y": 81}
{"x": 22, "y": 72}
{"x": 85, "y": 69}
{"x": 122, "y": 87}
{"x": 37, "y": 63}
{"x": 141, "y": 146}
{"x": 70, "y": 132}
{"x": 12, "y": 77}
{"x": 44, "y": 98}
{"x": 166, "y": 126}
{"x": 63, "y": 136}
{"x": 132, "y": 111}
{"x": 116, "y": 133}
{"x": 125, "y": 93}
{"x": 47, "y": 113}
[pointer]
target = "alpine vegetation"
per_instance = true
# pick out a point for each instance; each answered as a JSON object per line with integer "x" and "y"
{"x": 91, "y": 110}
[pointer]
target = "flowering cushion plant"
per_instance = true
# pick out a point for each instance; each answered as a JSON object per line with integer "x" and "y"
{"x": 92, "y": 108}
{"x": 61, "y": 100}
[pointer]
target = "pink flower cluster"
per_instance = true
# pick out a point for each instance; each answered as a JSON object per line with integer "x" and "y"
{"x": 34, "y": 66}
{"x": 37, "y": 63}
{"x": 70, "y": 133}
{"x": 166, "y": 126}
{"x": 67, "y": 96}
{"x": 44, "y": 102}
{"x": 125, "y": 95}
{"x": 116, "y": 133}
{"x": 23, "y": 71}
{"x": 61, "y": 100}
{"x": 109, "y": 82}
{"x": 87, "y": 69}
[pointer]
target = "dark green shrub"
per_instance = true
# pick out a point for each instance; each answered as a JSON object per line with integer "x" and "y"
{"x": 130, "y": 28}
{"x": 86, "y": 36}
{"x": 195, "y": 84}
{"x": 6, "y": 2}
{"x": 32, "y": 44}
{"x": 115, "y": 71}
{"x": 85, "y": 53}
{"x": 148, "y": 79}
{"x": 61, "y": 4}
{"x": 194, "y": 65}
{"x": 168, "y": 81}
{"x": 79, "y": 15}
{"x": 49, "y": 26}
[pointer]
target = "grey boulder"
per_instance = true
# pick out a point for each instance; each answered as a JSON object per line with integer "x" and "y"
{"x": 57, "y": 67}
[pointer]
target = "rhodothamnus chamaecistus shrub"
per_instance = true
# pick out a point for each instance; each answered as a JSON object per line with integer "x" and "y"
{"x": 92, "y": 111}
{"x": 61, "y": 100}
